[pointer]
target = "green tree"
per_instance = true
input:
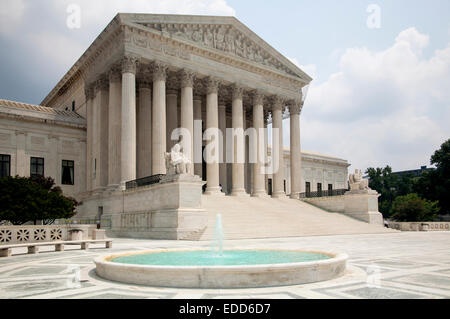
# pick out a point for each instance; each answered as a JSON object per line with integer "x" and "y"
{"x": 412, "y": 208}
{"x": 25, "y": 199}
{"x": 435, "y": 184}
{"x": 386, "y": 184}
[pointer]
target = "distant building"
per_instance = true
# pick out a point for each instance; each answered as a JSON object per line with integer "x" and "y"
{"x": 413, "y": 172}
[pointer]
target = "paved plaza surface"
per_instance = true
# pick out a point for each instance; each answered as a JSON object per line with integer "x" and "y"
{"x": 401, "y": 265}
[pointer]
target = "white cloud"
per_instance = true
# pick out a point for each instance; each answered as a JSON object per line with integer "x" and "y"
{"x": 387, "y": 107}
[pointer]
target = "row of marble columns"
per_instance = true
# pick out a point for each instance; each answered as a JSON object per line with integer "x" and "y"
{"x": 119, "y": 131}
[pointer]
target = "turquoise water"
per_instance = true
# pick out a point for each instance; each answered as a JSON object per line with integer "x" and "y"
{"x": 228, "y": 258}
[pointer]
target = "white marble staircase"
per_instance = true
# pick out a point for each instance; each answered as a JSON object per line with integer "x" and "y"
{"x": 246, "y": 218}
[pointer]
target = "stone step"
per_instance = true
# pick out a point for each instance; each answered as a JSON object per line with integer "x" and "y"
{"x": 248, "y": 217}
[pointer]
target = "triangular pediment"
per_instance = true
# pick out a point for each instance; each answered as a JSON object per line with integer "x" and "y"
{"x": 225, "y": 34}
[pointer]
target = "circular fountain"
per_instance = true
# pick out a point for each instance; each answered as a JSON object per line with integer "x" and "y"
{"x": 218, "y": 268}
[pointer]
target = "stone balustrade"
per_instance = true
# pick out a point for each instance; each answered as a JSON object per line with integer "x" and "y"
{"x": 10, "y": 235}
{"x": 420, "y": 226}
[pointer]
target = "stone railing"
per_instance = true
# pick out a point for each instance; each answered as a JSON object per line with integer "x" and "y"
{"x": 420, "y": 226}
{"x": 10, "y": 235}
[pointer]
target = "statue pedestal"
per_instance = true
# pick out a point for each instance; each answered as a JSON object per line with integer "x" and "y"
{"x": 171, "y": 209}
{"x": 363, "y": 205}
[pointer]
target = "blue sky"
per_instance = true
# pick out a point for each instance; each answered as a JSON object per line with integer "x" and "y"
{"x": 379, "y": 96}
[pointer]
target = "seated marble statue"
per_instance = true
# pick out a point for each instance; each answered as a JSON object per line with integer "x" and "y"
{"x": 357, "y": 183}
{"x": 176, "y": 162}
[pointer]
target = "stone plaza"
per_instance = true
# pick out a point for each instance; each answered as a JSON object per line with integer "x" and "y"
{"x": 407, "y": 265}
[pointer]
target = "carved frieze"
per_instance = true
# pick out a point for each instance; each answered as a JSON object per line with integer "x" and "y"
{"x": 224, "y": 38}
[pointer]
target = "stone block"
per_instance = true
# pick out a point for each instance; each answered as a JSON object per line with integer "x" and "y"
{"x": 98, "y": 234}
{"x": 5, "y": 252}
{"x": 33, "y": 249}
{"x": 363, "y": 206}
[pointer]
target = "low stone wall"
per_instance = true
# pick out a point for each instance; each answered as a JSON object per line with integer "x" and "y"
{"x": 361, "y": 205}
{"x": 333, "y": 204}
{"x": 11, "y": 235}
{"x": 420, "y": 226}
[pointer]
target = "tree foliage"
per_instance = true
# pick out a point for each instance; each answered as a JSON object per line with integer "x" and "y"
{"x": 412, "y": 208}
{"x": 435, "y": 184}
{"x": 25, "y": 199}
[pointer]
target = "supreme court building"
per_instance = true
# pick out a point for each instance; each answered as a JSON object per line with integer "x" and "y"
{"x": 109, "y": 120}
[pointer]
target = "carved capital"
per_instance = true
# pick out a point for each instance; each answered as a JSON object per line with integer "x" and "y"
{"x": 222, "y": 101}
{"x": 144, "y": 83}
{"x": 237, "y": 92}
{"x": 115, "y": 76}
{"x": 159, "y": 71}
{"x": 101, "y": 85}
{"x": 89, "y": 92}
{"x": 258, "y": 97}
{"x": 212, "y": 85}
{"x": 186, "y": 78}
{"x": 277, "y": 103}
{"x": 295, "y": 107}
{"x": 129, "y": 64}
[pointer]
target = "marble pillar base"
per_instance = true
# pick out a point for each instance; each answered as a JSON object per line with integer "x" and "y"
{"x": 239, "y": 193}
{"x": 260, "y": 195}
{"x": 279, "y": 195}
{"x": 295, "y": 196}
{"x": 214, "y": 192}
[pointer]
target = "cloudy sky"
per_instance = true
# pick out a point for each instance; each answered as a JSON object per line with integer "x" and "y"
{"x": 381, "y": 89}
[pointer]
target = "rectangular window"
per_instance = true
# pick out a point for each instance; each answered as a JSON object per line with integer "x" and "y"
{"x": 67, "y": 176}
{"x": 319, "y": 189}
{"x": 5, "y": 165}
{"x": 37, "y": 166}
{"x": 308, "y": 189}
{"x": 73, "y": 106}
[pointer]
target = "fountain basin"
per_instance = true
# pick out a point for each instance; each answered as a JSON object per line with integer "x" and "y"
{"x": 329, "y": 266}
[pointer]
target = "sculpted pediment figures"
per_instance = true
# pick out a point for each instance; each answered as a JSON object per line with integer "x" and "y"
{"x": 224, "y": 38}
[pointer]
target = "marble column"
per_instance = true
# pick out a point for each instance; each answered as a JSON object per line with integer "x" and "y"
{"x": 277, "y": 144}
{"x": 238, "y": 172}
{"x": 128, "y": 131}
{"x": 296, "y": 164}
{"x": 187, "y": 114}
{"x": 115, "y": 127}
{"x": 172, "y": 112}
{"x": 89, "y": 93}
{"x": 223, "y": 143}
{"x": 144, "y": 129}
{"x": 198, "y": 140}
{"x": 212, "y": 123}
{"x": 159, "y": 119}
{"x": 259, "y": 189}
{"x": 101, "y": 142}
